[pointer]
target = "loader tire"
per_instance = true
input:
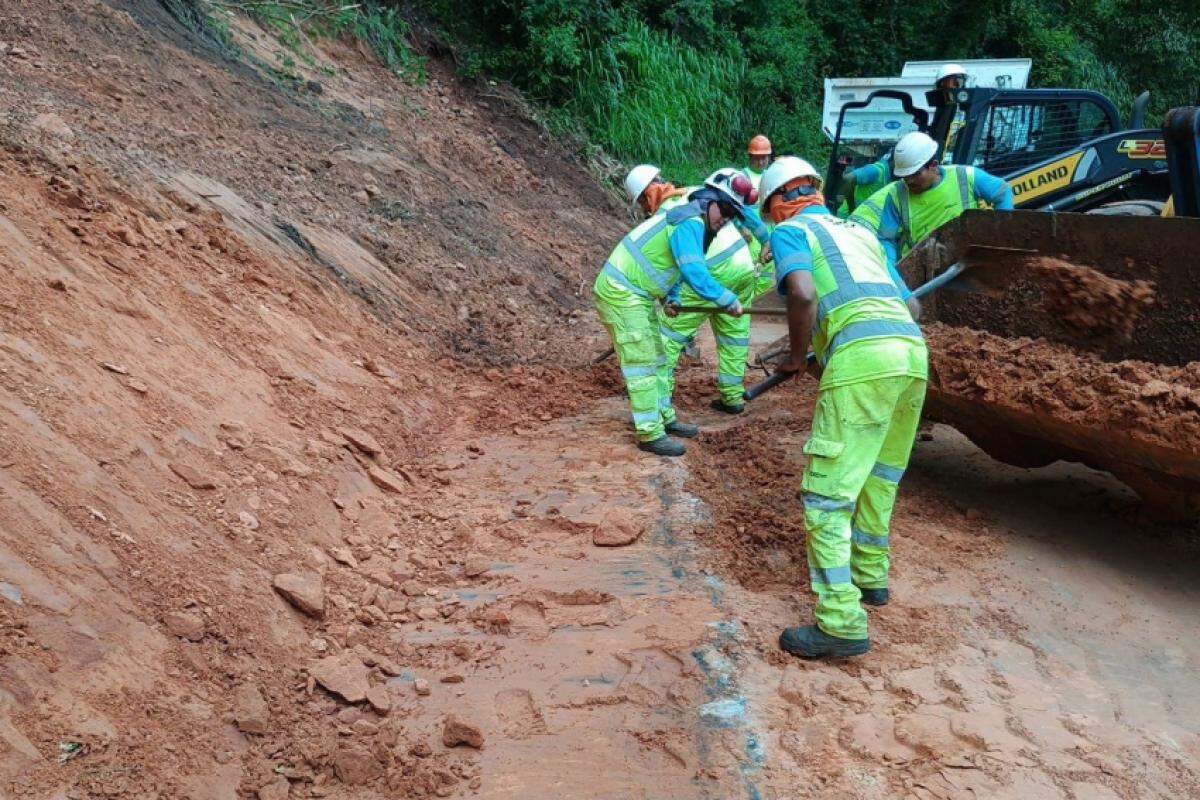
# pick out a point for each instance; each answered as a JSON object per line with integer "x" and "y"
{"x": 1130, "y": 208}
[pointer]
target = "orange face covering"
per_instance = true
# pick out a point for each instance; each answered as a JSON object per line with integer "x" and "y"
{"x": 658, "y": 193}
{"x": 782, "y": 210}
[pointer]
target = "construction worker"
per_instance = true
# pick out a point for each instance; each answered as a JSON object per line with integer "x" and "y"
{"x": 645, "y": 186}
{"x": 859, "y": 184}
{"x": 925, "y": 196}
{"x": 733, "y": 263}
{"x": 760, "y": 158}
{"x": 645, "y": 267}
{"x": 872, "y": 365}
{"x": 951, "y": 78}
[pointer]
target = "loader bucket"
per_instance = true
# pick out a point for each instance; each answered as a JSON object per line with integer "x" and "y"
{"x": 1018, "y": 375}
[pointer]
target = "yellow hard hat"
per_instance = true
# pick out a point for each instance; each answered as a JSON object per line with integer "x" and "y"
{"x": 760, "y": 146}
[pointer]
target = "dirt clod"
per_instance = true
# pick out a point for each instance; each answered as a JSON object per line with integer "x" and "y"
{"x": 618, "y": 529}
{"x": 344, "y": 675}
{"x": 456, "y": 732}
{"x": 306, "y": 592}
{"x": 185, "y": 625}
{"x": 250, "y": 710}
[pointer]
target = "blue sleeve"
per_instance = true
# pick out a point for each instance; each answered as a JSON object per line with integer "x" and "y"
{"x": 687, "y": 245}
{"x": 792, "y": 253}
{"x": 752, "y": 222}
{"x": 673, "y": 295}
{"x": 905, "y": 292}
{"x": 868, "y": 175}
{"x": 995, "y": 191}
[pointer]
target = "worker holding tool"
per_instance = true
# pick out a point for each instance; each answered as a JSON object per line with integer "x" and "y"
{"x": 760, "y": 158}
{"x": 872, "y": 365}
{"x": 925, "y": 196}
{"x": 647, "y": 264}
{"x": 733, "y": 263}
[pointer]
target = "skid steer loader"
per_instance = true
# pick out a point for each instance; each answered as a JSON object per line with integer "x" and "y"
{"x": 1066, "y": 151}
{"x": 1060, "y": 149}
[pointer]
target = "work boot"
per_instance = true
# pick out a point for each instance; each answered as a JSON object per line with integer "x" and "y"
{"x": 683, "y": 429}
{"x": 726, "y": 408}
{"x": 812, "y": 642}
{"x": 874, "y": 597}
{"x": 663, "y": 446}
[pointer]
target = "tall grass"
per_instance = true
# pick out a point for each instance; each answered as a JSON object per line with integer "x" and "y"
{"x": 645, "y": 96}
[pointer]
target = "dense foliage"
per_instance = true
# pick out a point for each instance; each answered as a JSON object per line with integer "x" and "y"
{"x": 685, "y": 83}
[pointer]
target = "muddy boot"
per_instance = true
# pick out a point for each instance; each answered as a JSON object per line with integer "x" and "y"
{"x": 874, "y": 597}
{"x": 812, "y": 642}
{"x": 725, "y": 408}
{"x": 683, "y": 429}
{"x": 663, "y": 446}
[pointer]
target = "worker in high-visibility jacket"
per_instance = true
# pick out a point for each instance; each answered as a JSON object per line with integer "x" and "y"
{"x": 925, "y": 196}
{"x": 759, "y": 150}
{"x": 872, "y": 365}
{"x": 733, "y": 262}
{"x": 656, "y": 255}
{"x": 859, "y": 184}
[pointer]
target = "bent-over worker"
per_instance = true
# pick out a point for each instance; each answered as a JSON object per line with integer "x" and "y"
{"x": 926, "y": 196}
{"x": 734, "y": 264}
{"x": 872, "y": 365}
{"x": 643, "y": 268}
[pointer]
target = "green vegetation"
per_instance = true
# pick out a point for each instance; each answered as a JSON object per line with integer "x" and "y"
{"x": 685, "y": 83}
{"x": 296, "y": 23}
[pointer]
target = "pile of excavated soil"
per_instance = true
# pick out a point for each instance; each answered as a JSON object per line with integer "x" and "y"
{"x": 1089, "y": 302}
{"x": 1152, "y": 402}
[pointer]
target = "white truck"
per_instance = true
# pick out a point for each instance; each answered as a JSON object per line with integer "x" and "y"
{"x": 868, "y": 132}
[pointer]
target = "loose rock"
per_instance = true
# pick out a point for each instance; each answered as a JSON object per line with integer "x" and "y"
{"x": 344, "y": 675}
{"x": 421, "y": 687}
{"x": 618, "y": 529}
{"x": 305, "y": 592}
{"x": 250, "y": 711}
{"x": 379, "y": 699}
{"x": 192, "y": 476}
{"x": 361, "y": 440}
{"x": 356, "y": 766}
{"x": 386, "y": 480}
{"x": 185, "y": 625}
{"x": 456, "y": 732}
{"x": 476, "y": 566}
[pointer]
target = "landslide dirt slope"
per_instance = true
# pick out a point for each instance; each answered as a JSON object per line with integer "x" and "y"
{"x": 239, "y": 320}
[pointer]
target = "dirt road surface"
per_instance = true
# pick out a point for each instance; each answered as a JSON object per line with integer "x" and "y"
{"x": 308, "y": 488}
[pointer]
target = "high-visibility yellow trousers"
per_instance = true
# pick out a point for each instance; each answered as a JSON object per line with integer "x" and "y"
{"x": 862, "y": 436}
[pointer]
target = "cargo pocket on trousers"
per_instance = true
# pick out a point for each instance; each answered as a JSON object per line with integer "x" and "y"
{"x": 822, "y": 475}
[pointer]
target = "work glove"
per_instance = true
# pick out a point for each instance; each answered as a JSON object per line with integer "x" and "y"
{"x": 765, "y": 255}
{"x": 671, "y": 308}
{"x": 734, "y": 309}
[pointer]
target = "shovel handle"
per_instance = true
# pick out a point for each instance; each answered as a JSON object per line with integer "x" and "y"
{"x": 760, "y": 312}
{"x": 776, "y": 378}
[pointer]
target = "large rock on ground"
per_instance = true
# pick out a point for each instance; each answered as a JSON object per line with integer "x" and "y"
{"x": 305, "y": 592}
{"x": 456, "y": 732}
{"x": 617, "y": 529}
{"x": 250, "y": 711}
{"x": 356, "y": 766}
{"x": 343, "y": 674}
{"x": 361, "y": 440}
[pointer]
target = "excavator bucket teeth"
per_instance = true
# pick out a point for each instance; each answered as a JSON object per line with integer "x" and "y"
{"x": 1081, "y": 344}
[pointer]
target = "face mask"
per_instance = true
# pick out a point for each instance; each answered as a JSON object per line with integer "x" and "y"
{"x": 782, "y": 209}
{"x": 658, "y": 193}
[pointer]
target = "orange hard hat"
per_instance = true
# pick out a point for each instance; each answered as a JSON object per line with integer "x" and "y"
{"x": 760, "y": 146}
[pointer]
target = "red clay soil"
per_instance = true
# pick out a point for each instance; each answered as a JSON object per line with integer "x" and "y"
{"x": 1090, "y": 303}
{"x": 1152, "y": 402}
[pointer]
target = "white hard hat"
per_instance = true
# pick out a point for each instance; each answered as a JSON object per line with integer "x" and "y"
{"x": 913, "y": 151}
{"x": 951, "y": 69}
{"x": 785, "y": 170}
{"x": 733, "y": 185}
{"x": 639, "y": 178}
